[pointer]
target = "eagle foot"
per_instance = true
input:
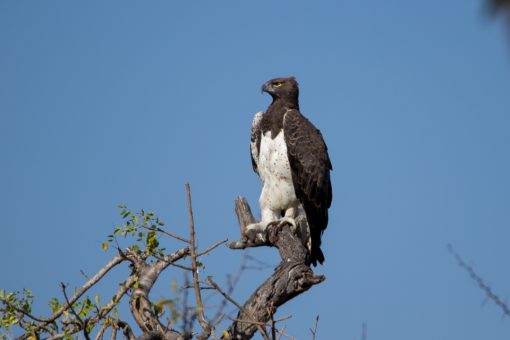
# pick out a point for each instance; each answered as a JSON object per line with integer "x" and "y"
{"x": 255, "y": 232}
{"x": 281, "y": 222}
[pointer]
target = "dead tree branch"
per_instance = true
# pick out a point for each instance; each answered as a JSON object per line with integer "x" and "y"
{"x": 229, "y": 299}
{"x": 200, "y": 306}
{"x": 479, "y": 280}
{"x": 140, "y": 303}
{"x": 314, "y": 330}
{"x": 291, "y": 277}
{"x": 95, "y": 279}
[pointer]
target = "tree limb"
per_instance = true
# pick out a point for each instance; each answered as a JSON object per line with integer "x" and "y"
{"x": 479, "y": 280}
{"x": 200, "y": 306}
{"x": 140, "y": 304}
{"x": 291, "y": 277}
{"x": 102, "y": 272}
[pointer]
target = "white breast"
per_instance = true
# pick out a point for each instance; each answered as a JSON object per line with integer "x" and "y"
{"x": 274, "y": 170}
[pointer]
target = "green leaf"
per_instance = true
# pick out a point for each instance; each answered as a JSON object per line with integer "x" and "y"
{"x": 105, "y": 246}
{"x": 54, "y": 304}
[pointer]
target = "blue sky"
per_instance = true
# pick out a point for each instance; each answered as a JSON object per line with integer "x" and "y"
{"x": 124, "y": 102}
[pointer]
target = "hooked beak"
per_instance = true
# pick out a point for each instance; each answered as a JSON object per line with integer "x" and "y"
{"x": 266, "y": 87}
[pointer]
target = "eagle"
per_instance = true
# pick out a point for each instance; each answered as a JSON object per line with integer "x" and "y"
{"x": 290, "y": 156}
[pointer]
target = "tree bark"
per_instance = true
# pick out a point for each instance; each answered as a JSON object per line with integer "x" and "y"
{"x": 291, "y": 277}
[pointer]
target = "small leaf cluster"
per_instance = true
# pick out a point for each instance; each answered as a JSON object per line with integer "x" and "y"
{"x": 16, "y": 311}
{"x": 15, "y": 306}
{"x": 144, "y": 227}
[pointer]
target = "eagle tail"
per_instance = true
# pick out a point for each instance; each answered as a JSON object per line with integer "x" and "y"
{"x": 316, "y": 255}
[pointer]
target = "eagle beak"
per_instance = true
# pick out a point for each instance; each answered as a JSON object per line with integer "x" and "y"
{"x": 266, "y": 87}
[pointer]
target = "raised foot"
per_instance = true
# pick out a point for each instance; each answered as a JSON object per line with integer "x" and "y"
{"x": 255, "y": 231}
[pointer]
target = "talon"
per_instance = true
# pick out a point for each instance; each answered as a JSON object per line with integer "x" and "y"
{"x": 255, "y": 232}
{"x": 279, "y": 223}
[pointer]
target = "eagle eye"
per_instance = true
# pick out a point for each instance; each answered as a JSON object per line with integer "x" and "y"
{"x": 278, "y": 84}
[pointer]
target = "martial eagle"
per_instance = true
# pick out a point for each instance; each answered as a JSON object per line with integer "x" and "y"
{"x": 290, "y": 157}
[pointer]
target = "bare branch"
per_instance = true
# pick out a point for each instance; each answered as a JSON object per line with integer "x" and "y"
{"x": 102, "y": 272}
{"x": 114, "y": 333}
{"x": 182, "y": 267}
{"x": 211, "y": 248}
{"x": 200, "y": 307}
{"x": 177, "y": 237}
{"x": 124, "y": 287}
{"x": 128, "y": 333}
{"x": 189, "y": 315}
{"x": 100, "y": 333}
{"x": 147, "y": 274}
{"x": 272, "y": 326}
{"x": 228, "y": 298}
{"x": 314, "y": 330}
{"x": 232, "y": 283}
{"x": 225, "y": 295}
{"x": 479, "y": 280}
{"x": 83, "y": 324}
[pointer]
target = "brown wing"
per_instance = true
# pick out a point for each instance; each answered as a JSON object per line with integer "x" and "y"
{"x": 310, "y": 166}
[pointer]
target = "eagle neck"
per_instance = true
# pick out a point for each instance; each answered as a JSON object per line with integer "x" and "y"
{"x": 275, "y": 114}
{"x": 285, "y": 104}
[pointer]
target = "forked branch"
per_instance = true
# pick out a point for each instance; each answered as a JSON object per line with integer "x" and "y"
{"x": 291, "y": 277}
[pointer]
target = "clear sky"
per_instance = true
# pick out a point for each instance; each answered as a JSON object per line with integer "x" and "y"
{"x": 107, "y": 102}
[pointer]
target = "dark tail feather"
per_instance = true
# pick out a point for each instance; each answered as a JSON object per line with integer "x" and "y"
{"x": 316, "y": 255}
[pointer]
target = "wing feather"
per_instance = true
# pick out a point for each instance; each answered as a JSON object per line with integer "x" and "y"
{"x": 310, "y": 166}
{"x": 256, "y": 135}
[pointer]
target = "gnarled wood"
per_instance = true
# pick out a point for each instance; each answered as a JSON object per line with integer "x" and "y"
{"x": 140, "y": 304}
{"x": 291, "y": 277}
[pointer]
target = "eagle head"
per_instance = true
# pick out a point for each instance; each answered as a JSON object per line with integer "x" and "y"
{"x": 282, "y": 88}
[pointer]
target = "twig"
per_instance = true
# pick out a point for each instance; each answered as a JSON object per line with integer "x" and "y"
{"x": 171, "y": 262}
{"x": 166, "y": 233}
{"x": 102, "y": 272}
{"x": 232, "y": 283}
{"x": 273, "y": 328}
{"x": 212, "y": 248}
{"x": 124, "y": 287}
{"x": 114, "y": 333}
{"x": 100, "y": 333}
{"x": 202, "y": 287}
{"x": 314, "y": 330}
{"x": 128, "y": 333}
{"x": 479, "y": 280}
{"x": 200, "y": 307}
{"x": 19, "y": 310}
{"x": 182, "y": 267}
{"x": 83, "y": 324}
{"x": 228, "y": 298}
{"x": 225, "y": 295}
